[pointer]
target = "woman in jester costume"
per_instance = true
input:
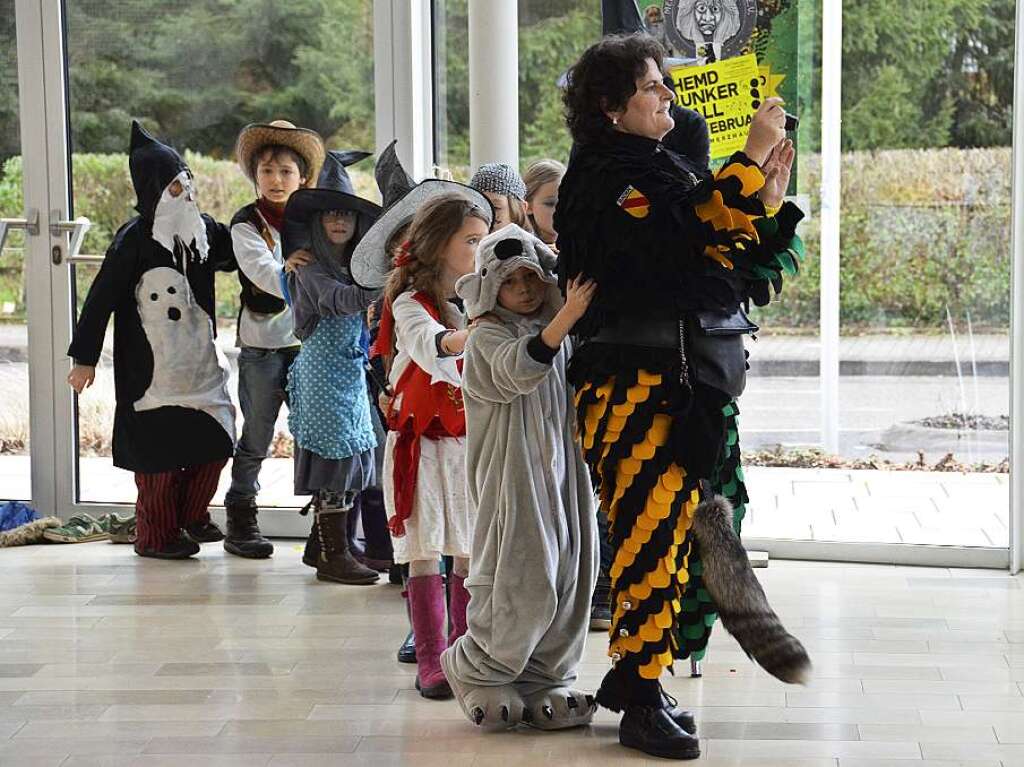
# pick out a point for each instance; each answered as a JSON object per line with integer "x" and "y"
{"x": 677, "y": 253}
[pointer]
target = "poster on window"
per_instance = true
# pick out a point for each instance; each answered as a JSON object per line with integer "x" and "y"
{"x": 703, "y": 33}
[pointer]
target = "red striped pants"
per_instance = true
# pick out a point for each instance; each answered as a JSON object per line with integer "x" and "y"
{"x": 169, "y": 500}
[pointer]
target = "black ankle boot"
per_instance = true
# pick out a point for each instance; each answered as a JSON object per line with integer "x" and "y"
{"x": 243, "y": 538}
{"x": 652, "y": 729}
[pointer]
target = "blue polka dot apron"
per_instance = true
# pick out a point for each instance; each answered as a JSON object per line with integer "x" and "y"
{"x": 329, "y": 409}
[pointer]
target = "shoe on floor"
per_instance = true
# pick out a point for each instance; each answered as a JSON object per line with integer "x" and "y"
{"x": 122, "y": 529}
{"x": 243, "y": 538}
{"x": 407, "y": 652}
{"x": 652, "y": 730}
{"x": 180, "y": 548}
{"x": 600, "y": 618}
{"x": 336, "y": 562}
{"x": 204, "y": 532}
{"x": 80, "y": 528}
{"x": 600, "y": 604}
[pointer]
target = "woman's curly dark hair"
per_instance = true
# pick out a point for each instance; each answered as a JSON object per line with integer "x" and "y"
{"x": 605, "y": 78}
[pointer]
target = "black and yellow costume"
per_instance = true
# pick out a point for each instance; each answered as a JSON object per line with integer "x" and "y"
{"x": 676, "y": 252}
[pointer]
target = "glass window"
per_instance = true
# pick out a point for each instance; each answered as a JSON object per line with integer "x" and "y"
{"x": 195, "y": 72}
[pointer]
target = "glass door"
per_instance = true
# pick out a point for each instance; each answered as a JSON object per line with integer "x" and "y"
{"x": 15, "y": 427}
{"x": 309, "y": 63}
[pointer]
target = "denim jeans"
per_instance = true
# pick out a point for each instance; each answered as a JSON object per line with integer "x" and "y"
{"x": 262, "y": 389}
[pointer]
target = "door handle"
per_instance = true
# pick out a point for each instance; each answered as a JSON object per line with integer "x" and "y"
{"x": 30, "y": 224}
{"x": 76, "y": 229}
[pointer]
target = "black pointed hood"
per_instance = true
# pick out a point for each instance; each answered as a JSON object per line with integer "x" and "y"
{"x": 333, "y": 174}
{"x": 153, "y": 166}
{"x": 392, "y": 180}
{"x": 621, "y": 17}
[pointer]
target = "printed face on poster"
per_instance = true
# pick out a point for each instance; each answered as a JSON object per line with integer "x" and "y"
{"x": 717, "y": 49}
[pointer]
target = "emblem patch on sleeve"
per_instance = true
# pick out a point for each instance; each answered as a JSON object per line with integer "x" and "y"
{"x": 633, "y": 201}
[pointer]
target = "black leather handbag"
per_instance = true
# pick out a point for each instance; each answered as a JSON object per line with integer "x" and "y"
{"x": 717, "y": 354}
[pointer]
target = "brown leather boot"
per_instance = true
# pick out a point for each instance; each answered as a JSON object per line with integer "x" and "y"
{"x": 336, "y": 562}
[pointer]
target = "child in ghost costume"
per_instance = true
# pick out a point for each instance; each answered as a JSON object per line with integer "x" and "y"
{"x": 174, "y": 424}
{"x": 534, "y": 558}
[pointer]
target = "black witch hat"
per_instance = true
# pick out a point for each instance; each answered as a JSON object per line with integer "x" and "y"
{"x": 153, "y": 165}
{"x": 334, "y": 191}
{"x": 392, "y": 180}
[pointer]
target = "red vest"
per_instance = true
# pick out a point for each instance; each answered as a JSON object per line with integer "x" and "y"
{"x": 425, "y": 410}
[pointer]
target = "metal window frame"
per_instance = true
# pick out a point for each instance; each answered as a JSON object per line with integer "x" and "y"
{"x": 403, "y": 71}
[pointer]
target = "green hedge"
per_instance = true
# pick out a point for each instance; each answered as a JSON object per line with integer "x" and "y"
{"x": 104, "y": 194}
{"x": 922, "y": 230}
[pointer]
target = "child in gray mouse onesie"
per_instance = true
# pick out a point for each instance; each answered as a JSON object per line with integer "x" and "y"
{"x": 534, "y": 559}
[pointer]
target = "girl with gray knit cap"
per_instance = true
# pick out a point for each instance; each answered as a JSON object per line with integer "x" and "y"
{"x": 502, "y": 185}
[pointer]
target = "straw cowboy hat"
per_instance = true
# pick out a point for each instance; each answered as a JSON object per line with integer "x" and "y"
{"x": 304, "y": 142}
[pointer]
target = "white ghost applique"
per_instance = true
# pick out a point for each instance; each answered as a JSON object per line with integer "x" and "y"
{"x": 189, "y": 370}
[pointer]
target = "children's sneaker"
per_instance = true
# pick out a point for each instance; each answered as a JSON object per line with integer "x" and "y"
{"x": 80, "y": 528}
{"x": 122, "y": 529}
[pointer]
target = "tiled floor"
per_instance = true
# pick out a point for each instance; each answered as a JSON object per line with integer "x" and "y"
{"x": 107, "y": 660}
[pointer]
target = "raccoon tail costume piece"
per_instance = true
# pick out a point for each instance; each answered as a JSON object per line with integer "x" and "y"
{"x": 742, "y": 604}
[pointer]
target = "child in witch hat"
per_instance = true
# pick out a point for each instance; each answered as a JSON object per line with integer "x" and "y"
{"x": 329, "y": 414}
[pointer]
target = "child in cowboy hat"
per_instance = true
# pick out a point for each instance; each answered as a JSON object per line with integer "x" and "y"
{"x": 330, "y": 415}
{"x": 279, "y": 159}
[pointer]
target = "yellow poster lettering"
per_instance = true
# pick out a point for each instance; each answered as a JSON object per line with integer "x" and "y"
{"x": 726, "y": 93}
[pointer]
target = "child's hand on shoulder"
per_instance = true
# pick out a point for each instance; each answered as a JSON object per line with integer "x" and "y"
{"x": 297, "y": 259}
{"x": 578, "y": 295}
{"x": 455, "y": 343}
{"x": 81, "y": 377}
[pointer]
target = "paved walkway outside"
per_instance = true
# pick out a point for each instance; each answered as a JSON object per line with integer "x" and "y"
{"x": 800, "y": 504}
{"x": 872, "y": 354}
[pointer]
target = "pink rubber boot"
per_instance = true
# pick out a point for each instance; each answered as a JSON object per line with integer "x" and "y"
{"x": 426, "y": 600}
{"x": 458, "y": 599}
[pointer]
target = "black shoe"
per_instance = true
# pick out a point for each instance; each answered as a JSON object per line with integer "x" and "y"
{"x": 180, "y": 548}
{"x": 204, "y": 532}
{"x": 600, "y": 618}
{"x": 600, "y": 604}
{"x": 652, "y": 730}
{"x": 395, "y": 575}
{"x": 243, "y": 538}
{"x": 683, "y": 718}
{"x": 407, "y": 652}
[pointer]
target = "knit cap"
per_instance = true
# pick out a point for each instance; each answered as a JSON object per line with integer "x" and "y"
{"x": 498, "y": 178}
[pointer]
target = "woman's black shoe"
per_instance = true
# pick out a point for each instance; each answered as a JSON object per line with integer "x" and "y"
{"x": 407, "y": 652}
{"x": 683, "y": 718}
{"x": 652, "y": 729}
